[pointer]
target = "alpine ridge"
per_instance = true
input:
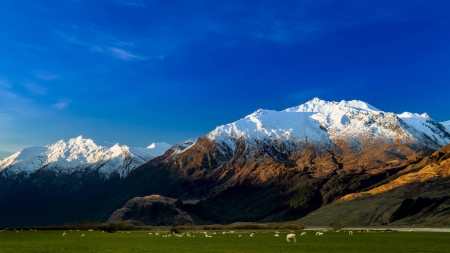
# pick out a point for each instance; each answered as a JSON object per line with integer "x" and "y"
{"x": 78, "y": 154}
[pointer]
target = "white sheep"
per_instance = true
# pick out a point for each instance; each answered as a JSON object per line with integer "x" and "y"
{"x": 303, "y": 234}
{"x": 251, "y": 235}
{"x": 289, "y": 237}
{"x": 319, "y": 234}
{"x": 350, "y": 232}
{"x": 276, "y": 235}
{"x": 82, "y": 235}
{"x": 64, "y": 234}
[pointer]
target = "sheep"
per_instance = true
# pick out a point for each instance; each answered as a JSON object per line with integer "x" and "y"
{"x": 289, "y": 237}
{"x": 240, "y": 235}
{"x": 303, "y": 234}
{"x": 319, "y": 234}
{"x": 350, "y": 232}
{"x": 251, "y": 235}
{"x": 82, "y": 235}
{"x": 64, "y": 234}
{"x": 276, "y": 235}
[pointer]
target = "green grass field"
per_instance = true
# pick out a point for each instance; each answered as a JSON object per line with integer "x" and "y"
{"x": 141, "y": 241}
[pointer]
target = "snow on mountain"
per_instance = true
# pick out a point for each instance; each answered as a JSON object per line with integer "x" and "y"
{"x": 446, "y": 124}
{"x": 322, "y": 121}
{"x": 79, "y": 154}
{"x": 426, "y": 125}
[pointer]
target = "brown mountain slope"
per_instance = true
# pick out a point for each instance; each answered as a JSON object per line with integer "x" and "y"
{"x": 258, "y": 163}
{"x": 420, "y": 196}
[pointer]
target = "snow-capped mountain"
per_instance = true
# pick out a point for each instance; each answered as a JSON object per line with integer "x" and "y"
{"x": 320, "y": 121}
{"x": 80, "y": 154}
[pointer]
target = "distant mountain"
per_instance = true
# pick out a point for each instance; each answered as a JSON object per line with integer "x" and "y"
{"x": 79, "y": 155}
{"x": 268, "y": 166}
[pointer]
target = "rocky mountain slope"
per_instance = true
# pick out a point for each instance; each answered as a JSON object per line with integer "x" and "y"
{"x": 417, "y": 196}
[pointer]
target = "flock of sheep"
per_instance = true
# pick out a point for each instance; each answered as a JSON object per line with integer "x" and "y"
{"x": 289, "y": 237}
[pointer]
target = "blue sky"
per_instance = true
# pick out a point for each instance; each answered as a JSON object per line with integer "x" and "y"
{"x": 137, "y": 71}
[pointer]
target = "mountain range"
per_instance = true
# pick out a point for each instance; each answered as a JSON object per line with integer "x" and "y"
{"x": 268, "y": 166}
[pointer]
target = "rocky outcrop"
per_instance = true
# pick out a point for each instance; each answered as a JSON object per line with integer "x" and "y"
{"x": 154, "y": 210}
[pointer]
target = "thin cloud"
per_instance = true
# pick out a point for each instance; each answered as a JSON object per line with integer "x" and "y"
{"x": 45, "y": 76}
{"x": 62, "y": 104}
{"x": 105, "y": 44}
{"x": 35, "y": 88}
{"x": 124, "y": 55}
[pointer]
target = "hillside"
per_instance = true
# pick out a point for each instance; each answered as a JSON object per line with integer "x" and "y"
{"x": 418, "y": 196}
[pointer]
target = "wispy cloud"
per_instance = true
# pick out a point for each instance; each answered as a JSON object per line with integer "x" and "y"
{"x": 62, "y": 104}
{"x": 45, "y": 76}
{"x": 36, "y": 89}
{"x": 101, "y": 42}
{"x": 118, "y": 53}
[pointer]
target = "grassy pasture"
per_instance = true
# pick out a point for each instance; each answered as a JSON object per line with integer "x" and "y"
{"x": 141, "y": 241}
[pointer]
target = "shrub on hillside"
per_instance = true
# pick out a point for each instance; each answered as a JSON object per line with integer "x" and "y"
{"x": 338, "y": 225}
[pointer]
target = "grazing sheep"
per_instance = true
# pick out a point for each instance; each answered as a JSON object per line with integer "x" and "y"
{"x": 276, "y": 235}
{"x": 303, "y": 234}
{"x": 319, "y": 234}
{"x": 251, "y": 235}
{"x": 82, "y": 235}
{"x": 64, "y": 234}
{"x": 350, "y": 232}
{"x": 289, "y": 237}
{"x": 240, "y": 235}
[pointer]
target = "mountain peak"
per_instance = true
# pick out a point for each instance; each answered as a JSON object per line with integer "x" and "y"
{"x": 318, "y": 105}
{"x": 80, "y": 154}
{"x": 326, "y": 121}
